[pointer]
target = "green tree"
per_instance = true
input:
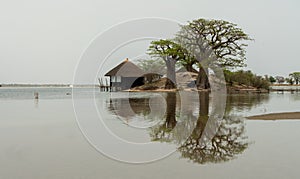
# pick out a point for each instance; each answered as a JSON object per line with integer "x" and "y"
{"x": 170, "y": 52}
{"x": 225, "y": 39}
{"x": 272, "y": 79}
{"x": 246, "y": 78}
{"x": 289, "y": 80}
{"x": 188, "y": 61}
{"x": 295, "y": 76}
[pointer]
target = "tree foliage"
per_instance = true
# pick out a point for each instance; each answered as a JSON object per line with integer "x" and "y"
{"x": 217, "y": 40}
{"x": 290, "y": 81}
{"x": 226, "y": 40}
{"x": 166, "y": 49}
{"x": 198, "y": 41}
{"x": 295, "y": 76}
{"x": 246, "y": 78}
{"x": 272, "y": 79}
{"x": 170, "y": 52}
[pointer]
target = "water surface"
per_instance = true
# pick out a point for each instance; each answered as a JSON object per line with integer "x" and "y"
{"x": 41, "y": 139}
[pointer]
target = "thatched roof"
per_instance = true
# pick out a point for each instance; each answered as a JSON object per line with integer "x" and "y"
{"x": 126, "y": 69}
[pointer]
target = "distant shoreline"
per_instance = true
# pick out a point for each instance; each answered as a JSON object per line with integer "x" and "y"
{"x": 230, "y": 89}
{"x": 34, "y": 85}
{"x": 44, "y": 85}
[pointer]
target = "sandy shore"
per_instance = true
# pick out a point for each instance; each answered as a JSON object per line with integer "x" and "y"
{"x": 167, "y": 90}
{"x": 276, "y": 116}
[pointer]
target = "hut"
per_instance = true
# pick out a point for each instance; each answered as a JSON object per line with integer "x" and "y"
{"x": 126, "y": 75}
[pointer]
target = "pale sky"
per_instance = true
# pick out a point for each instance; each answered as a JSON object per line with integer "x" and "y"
{"x": 42, "y": 41}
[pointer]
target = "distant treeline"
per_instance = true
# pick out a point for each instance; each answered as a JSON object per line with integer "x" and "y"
{"x": 246, "y": 78}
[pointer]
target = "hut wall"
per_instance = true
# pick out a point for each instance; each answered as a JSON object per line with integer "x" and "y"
{"x": 127, "y": 83}
{"x": 131, "y": 82}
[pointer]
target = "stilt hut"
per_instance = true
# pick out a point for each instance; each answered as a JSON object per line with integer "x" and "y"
{"x": 126, "y": 75}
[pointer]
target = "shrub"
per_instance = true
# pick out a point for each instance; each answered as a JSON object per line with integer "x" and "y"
{"x": 245, "y": 78}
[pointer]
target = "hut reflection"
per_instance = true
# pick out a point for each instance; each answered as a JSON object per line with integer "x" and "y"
{"x": 129, "y": 107}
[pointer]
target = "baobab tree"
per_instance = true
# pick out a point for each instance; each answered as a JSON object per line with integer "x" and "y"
{"x": 170, "y": 52}
{"x": 221, "y": 39}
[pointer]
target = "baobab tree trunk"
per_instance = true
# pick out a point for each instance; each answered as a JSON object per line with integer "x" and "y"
{"x": 171, "y": 76}
{"x": 189, "y": 68}
{"x": 203, "y": 115}
{"x": 171, "y": 110}
{"x": 202, "y": 79}
{"x": 203, "y": 103}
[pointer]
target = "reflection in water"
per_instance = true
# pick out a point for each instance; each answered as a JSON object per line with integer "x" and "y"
{"x": 176, "y": 124}
{"x": 225, "y": 145}
{"x": 136, "y": 111}
{"x": 36, "y": 103}
{"x": 137, "y": 106}
{"x": 187, "y": 129}
{"x": 229, "y": 141}
{"x": 296, "y": 96}
{"x": 162, "y": 131}
{"x": 241, "y": 102}
{"x": 171, "y": 110}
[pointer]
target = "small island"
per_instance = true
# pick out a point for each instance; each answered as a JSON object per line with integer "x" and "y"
{"x": 202, "y": 51}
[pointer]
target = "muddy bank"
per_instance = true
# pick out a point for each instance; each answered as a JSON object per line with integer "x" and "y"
{"x": 276, "y": 116}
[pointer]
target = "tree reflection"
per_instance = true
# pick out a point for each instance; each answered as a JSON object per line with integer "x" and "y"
{"x": 163, "y": 131}
{"x": 242, "y": 102}
{"x": 189, "y": 125}
{"x": 228, "y": 142}
{"x": 224, "y": 146}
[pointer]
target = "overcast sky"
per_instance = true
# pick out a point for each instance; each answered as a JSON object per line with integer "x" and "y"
{"x": 42, "y": 41}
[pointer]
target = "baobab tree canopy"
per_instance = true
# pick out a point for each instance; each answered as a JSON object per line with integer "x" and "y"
{"x": 226, "y": 39}
{"x": 220, "y": 42}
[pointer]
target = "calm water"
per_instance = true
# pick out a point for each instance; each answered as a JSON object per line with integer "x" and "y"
{"x": 41, "y": 138}
{"x": 286, "y": 87}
